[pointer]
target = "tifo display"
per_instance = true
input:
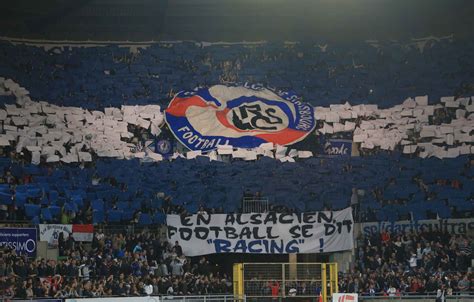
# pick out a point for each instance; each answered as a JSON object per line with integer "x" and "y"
{"x": 260, "y": 171}
{"x": 241, "y": 130}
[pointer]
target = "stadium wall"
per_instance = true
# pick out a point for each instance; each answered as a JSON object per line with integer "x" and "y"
{"x": 241, "y": 299}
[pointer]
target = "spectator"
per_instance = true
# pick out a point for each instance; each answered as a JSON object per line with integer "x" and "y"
{"x": 93, "y": 273}
{"x": 464, "y": 284}
{"x": 392, "y": 291}
{"x": 355, "y": 202}
{"x": 440, "y": 295}
{"x": 201, "y": 211}
{"x": 177, "y": 267}
{"x": 178, "y": 249}
{"x": 386, "y": 264}
{"x": 413, "y": 261}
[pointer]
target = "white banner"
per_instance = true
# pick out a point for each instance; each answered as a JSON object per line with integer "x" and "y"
{"x": 454, "y": 226}
{"x": 336, "y": 297}
{"x": 263, "y": 233}
{"x": 50, "y": 232}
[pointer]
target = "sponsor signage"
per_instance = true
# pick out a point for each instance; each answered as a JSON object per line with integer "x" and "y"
{"x": 38, "y": 300}
{"x": 337, "y": 297}
{"x": 23, "y": 240}
{"x": 120, "y": 299}
{"x": 455, "y": 226}
{"x": 337, "y": 147}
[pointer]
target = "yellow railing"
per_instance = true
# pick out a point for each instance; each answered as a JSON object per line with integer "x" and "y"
{"x": 259, "y": 281}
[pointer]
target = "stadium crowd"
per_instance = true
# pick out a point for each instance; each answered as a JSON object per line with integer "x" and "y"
{"x": 113, "y": 265}
{"x": 411, "y": 263}
{"x": 388, "y": 264}
{"x": 132, "y": 265}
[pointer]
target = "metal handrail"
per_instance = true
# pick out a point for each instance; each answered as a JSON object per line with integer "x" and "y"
{"x": 255, "y": 205}
{"x": 417, "y": 296}
{"x": 221, "y": 298}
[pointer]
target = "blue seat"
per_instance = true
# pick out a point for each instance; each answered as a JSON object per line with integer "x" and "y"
{"x": 6, "y": 198}
{"x": 136, "y": 204}
{"x": 98, "y": 217}
{"x": 32, "y": 210}
{"x": 91, "y": 195}
{"x": 44, "y": 201}
{"x": 419, "y": 215}
{"x": 34, "y": 192}
{"x": 159, "y": 218}
{"x": 53, "y": 197}
{"x": 97, "y": 205}
{"x": 127, "y": 214}
{"x": 105, "y": 195}
{"x": 114, "y": 216}
{"x": 60, "y": 201}
{"x": 122, "y": 205}
{"x": 71, "y": 207}
{"x": 20, "y": 199}
{"x": 22, "y": 188}
{"x": 144, "y": 219}
{"x": 32, "y": 169}
{"x": 391, "y": 215}
{"x": 439, "y": 207}
{"x": 35, "y": 220}
{"x": 381, "y": 215}
{"x": 55, "y": 211}
{"x": 125, "y": 196}
{"x": 192, "y": 207}
{"x": 76, "y": 199}
{"x": 4, "y": 188}
{"x": 46, "y": 215}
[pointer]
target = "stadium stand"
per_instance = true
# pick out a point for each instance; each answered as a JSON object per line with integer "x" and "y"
{"x": 395, "y": 264}
{"x": 114, "y": 266}
{"x": 374, "y": 72}
{"x": 389, "y": 264}
{"x": 392, "y": 188}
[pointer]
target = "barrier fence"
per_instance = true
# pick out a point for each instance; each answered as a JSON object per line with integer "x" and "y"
{"x": 255, "y": 205}
{"x": 208, "y": 298}
{"x": 229, "y": 298}
{"x": 464, "y": 297}
{"x": 276, "y": 281}
{"x": 468, "y": 297}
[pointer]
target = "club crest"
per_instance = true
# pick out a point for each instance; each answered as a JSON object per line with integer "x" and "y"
{"x": 241, "y": 116}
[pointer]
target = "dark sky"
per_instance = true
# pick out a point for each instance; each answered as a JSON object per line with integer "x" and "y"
{"x": 235, "y": 20}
